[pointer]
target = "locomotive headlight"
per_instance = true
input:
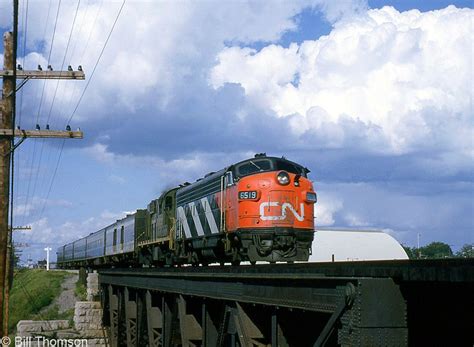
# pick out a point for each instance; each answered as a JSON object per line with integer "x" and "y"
{"x": 283, "y": 178}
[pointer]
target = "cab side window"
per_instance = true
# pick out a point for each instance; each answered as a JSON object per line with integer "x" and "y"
{"x": 168, "y": 203}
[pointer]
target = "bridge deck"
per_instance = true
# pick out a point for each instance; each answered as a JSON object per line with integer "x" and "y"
{"x": 444, "y": 270}
{"x": 342, "y": 303}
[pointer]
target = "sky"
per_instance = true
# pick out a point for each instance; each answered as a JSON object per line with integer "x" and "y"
{"x": 375, "y": 98}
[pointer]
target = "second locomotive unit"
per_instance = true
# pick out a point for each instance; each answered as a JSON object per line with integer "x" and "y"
{"x": 260, "y": 209}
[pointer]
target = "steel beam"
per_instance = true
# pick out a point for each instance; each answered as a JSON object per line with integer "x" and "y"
{"x": 113, "y": 320}
{"x": 209, "y": 322}
{"x": 130, "y": 319}
{"x": 154, "y": 318}
{"x": 191, "y": 320}
{"x": 322, "y": 295}
{"x": 272, "y": 306}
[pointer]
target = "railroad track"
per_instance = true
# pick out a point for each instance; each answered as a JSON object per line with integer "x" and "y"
{"x": 452, "y": 270}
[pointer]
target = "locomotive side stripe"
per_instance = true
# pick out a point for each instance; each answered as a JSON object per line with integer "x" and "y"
{"x": 197, "y": 221}
{"x": 184, "y": 221}
{"x": 209, "y": 216}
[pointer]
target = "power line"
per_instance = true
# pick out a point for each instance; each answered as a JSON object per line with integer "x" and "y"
{"x": 31, "y": 156}
{"x": 8, "y": 146}
{"x": 40, "y": 104}
{"x": 81, "y": 26}
{"x": 65, "y": 101}
{"x": 38, "y": 115}
{"x": 64, "y": 59}
{"x": 74, "y": 90}
{"x": 25, "y": 32}
{"x": 91, "y": 31}
{"x": 73, "y": 93}
{"x": 44, "y": 35}
{"x": 49, "y": 58}
{"x": 83, "y": 52}
{"x": 52, "y": 180}
{"x": 79, "y": 101}
{"x": 56, "y": 91}
{"x": 97, "y": 62}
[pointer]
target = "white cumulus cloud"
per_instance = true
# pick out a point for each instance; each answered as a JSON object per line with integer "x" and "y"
{"x": 326, "y": 208}
{"x": 398, "y": 81}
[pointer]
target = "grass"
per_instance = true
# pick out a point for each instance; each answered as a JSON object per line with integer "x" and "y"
{"x": 33, "y": 290}
{"x": 80, "y": 291}
{"x": 52, "y": 313}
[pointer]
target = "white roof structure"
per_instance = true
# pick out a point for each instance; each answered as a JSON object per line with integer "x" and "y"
{"x": 354, "y": 245}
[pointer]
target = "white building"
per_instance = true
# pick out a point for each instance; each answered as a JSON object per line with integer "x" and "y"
{"x": 354, "y": 245}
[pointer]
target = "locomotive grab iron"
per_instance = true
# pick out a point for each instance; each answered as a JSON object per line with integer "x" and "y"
{"x": 260, "y": 209}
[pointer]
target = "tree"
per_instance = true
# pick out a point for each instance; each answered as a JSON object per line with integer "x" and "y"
{"x": 411, "y": 252}
{"x": 436, "y": 250}
{"x": 466, "y": 251}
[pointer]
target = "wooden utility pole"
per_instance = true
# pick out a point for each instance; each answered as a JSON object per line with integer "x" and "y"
{"x": 5, "y": 142}
{"x": 7, "y": 134}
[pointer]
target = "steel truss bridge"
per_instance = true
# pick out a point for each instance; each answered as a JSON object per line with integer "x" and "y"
{"x": 383, "y": 303}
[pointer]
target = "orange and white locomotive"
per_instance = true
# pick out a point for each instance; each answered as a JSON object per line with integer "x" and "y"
{"x": 260, "y": 209}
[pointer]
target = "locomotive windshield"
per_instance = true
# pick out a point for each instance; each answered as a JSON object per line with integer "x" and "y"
{"x": 289, "y": 167}
{"x": 253, "y": 166}
{"x": 268, "y": 164}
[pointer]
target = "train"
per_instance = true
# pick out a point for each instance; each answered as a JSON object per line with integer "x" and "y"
{"x": 259, "y": 209}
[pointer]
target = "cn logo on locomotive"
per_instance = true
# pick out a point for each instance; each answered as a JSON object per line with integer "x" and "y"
{"x": 284, "y": 207}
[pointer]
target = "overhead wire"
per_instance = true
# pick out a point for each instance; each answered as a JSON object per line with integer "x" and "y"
{"x": 80, "y": 60}
{"x": 91, "y": 31}
{"x": 24, "y": 25}
{"x": 64, "y": 59}
{"x": 81, "y": 26}
{"x": 25, "y": 211}
{"x": 25, "y": 32}
{"x": 44, "y": 35}
{"x": 49, "y": 59}
{"x": 32, "y": 148}
{"x": 63, "y": 102}
{"x": 40, "y": 104}
{"x": 79, "y": 101}
{"x": 66, "y": 100}
{"x": 56, "y": 91}
{"x": 97, "y": 62}
{"x": 73, "y": 93}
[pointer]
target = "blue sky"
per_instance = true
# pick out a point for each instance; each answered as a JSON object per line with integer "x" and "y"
{"x": 376, "y": 101}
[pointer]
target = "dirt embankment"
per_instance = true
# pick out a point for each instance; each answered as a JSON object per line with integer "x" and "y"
{"x": 67, "y": 299}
